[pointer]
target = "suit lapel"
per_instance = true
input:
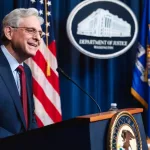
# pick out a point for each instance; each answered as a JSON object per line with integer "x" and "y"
{"x": 7, "y": 76}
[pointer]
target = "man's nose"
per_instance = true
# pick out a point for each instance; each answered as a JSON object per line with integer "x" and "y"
{"x": 37, "y": 36}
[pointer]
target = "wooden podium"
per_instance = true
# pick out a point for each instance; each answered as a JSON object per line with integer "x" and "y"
{"x": 81, "y": 133}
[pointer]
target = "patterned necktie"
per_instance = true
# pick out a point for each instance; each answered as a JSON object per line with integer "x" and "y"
{"x": 23, "y": 92}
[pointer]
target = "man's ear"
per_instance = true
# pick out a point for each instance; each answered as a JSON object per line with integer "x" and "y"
{"x": 8, "y": 32}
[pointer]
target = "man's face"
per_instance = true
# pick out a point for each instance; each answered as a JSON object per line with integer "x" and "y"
{"x": 25, "y": 39}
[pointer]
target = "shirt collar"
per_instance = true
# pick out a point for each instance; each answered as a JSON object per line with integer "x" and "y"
{"x": 11, "y": 60}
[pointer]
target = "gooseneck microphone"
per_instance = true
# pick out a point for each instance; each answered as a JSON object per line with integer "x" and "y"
{"x": 61, "y": 71}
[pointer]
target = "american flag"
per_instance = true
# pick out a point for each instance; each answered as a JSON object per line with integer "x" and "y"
{"x": 43, "y": 65}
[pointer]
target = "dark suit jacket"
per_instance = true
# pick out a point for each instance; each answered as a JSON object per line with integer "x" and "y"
{"x": 12, "y": 119}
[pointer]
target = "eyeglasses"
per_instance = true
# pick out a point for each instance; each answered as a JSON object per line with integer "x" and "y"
{"x": 31, "y": 31}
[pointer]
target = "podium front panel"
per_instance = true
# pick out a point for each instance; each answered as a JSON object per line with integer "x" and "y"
{"x": 73, "y": 134}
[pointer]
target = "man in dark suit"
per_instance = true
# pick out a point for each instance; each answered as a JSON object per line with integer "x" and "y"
{"x": 21, "y": 36}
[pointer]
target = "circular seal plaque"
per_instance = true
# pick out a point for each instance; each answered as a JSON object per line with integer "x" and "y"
{"x": 124, "y": 133}
{"x": 102, "y": 28}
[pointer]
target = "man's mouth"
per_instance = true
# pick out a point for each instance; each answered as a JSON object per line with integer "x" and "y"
{"x": 33, "y": 44}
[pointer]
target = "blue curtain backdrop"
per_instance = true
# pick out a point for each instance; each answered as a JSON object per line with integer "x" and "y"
{"x": 105, "y": 80}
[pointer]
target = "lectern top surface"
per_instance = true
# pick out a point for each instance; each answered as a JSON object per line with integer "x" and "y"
{"x": 109, "y": 114}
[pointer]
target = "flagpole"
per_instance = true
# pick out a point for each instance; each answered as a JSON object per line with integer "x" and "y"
{"x": 46, "y": 23}
{"x": 48, "y": 63}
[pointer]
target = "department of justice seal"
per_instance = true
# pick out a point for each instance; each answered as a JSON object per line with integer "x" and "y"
{"x": 102, "y": 28}
{"x": 124, "y": 133}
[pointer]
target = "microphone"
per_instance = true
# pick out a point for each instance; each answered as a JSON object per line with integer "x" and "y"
{"x": 61, "y": 71}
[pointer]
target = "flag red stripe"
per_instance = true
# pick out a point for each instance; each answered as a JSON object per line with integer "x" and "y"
{"x": 52, "y": 47}
{"x": 48, "y": 106}
{"x": 53, "y": 78}
{"x": 39, "y": 122}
